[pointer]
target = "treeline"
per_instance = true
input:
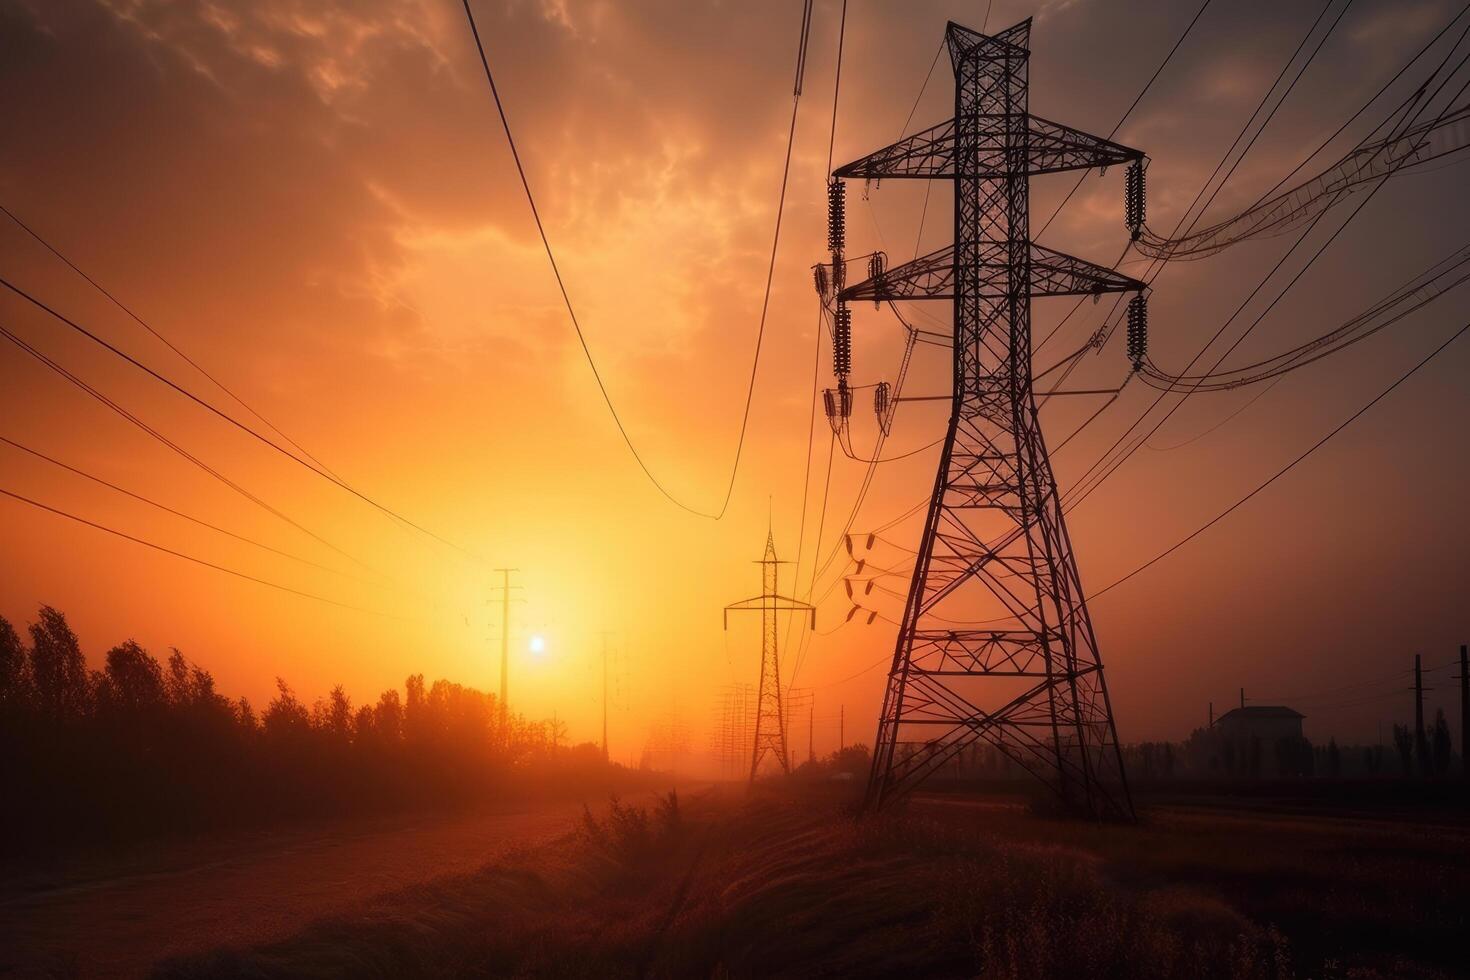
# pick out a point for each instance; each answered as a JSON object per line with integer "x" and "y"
{"x": 1209, "y": 755}
{"x": 142, "y": 746}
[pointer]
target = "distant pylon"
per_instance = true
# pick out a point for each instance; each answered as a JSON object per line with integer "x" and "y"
{"x": 996, "y": 644}
{"x": 770, "y": 716}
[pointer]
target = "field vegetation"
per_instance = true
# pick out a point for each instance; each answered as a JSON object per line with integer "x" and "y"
{"x": 787, "y": 883}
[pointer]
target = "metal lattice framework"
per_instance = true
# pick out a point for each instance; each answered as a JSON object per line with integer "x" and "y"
{"x": 994, "y": 537}
{"x": 770, "y": 713}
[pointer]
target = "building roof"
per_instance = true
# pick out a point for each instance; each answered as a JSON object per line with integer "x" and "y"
{"x": 1259, "y": 711}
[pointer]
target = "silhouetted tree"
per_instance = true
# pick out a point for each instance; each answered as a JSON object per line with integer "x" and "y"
{"x": 141, "y": 746}
{"x": 415, "y": 711}
{"x": 14, "y": 672}
{"x": 58, "y": 670}
{"x": 1334, "y": 759}
{"x": 335, "y": 716}
{"x": 363, "y": 732}
{"x": 1439, "y": 744}
{"x": 1403, "y": 741}
{"x": 388, "y": 717}
{"x": 286, "y": 718}
{"x": 245, "y": 717}
{"x": 132, "y": 681}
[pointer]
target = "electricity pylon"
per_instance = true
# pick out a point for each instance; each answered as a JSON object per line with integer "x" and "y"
{"x": 1032, "y": 686}
{"x": 770, "y": 716}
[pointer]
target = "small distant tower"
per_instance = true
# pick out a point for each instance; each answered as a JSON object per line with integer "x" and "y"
{"x": 770, "y": 718}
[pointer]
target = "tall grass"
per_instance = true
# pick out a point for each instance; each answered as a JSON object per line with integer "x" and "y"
{"x": 771, "y": 887}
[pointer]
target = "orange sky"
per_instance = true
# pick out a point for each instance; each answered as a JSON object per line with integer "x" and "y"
{"x": 316, "y": 202}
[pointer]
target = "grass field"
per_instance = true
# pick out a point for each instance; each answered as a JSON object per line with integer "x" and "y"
{"x": 790, "y": 885}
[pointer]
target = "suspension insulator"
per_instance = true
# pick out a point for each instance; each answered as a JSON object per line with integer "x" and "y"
{"x": 1134, "y": 208}
{"x": 836, "y": 215}
{"x": 881, "y": 403}
{"x": 837, "y": 402}
{"x": 842, "y": 341}
{"x": 877, "y": 262}
{"x": 1137, "y": 330}
{"x": 819, "y": 277}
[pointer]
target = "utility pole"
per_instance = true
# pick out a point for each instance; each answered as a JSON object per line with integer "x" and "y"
{"x": 1421, "y": 743}
{"x": 1464, "y": 711}
{"x": 770, "y": 711}
{"x": 994, "y": 543}
{"x": 1242, "y": 697}
{"x": 605, "y": 635}
{"x": 811, "y": 708}
{"x": 841, "y": 728}
{"x": 1212, "y": 714}
{"x": 505, "y": 589}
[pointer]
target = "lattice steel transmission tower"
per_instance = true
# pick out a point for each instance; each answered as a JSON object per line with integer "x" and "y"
{"x": 770, "y": 714}
{"x": 994, "y": 539}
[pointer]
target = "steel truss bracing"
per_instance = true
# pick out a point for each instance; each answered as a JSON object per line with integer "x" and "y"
{"x": 770, "y": 715}
{"x": 994, "y": 545}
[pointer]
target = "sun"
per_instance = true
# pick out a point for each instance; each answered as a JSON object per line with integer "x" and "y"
{"x": 537, "y": 645}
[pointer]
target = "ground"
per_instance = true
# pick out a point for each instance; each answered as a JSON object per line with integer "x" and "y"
{"x": 788, "y": 883}
{"x": 117, "y": 916}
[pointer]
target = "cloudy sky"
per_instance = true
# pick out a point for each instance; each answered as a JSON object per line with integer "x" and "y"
{"x": 315, "y": 202}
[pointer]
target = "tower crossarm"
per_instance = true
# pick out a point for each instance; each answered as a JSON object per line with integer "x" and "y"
{"x": 774, "y": 603}
{"x": 1052, "y": 273}
{"x": 930, "y": 153}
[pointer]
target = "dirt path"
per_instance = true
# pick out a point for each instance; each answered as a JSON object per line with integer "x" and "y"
{"x": 120, "y": 920}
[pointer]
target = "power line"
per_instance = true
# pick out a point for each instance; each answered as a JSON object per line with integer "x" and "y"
{"x": 156, "y": 334}
{"x": 1361, "y": 109}
{"x": 1078, "y": 496}
{"x": 1128, "y": 112}
{"x": 1156, "y": 266}
{"x": 1268, "y": 218}
{"x": 918, "y": 98}
{"x": 811, "y": 424}
{"x": 1423, "y": 289}
{"x": 117, "y": 408}
{"x": 1101, "y": 337}
{"x": 170, "y": 510}
{"x": 190, "y": 558}
{"x": 1287, "y": 468}
{"x": 1274, "y": 477}
{"x": 566, "y": 298}
{"x": 1338, "y": 690}
{"x": 217, "y": 412}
